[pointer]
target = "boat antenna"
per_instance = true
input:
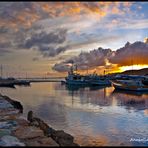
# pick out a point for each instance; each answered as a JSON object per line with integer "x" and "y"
{"x": 104, "y": 72}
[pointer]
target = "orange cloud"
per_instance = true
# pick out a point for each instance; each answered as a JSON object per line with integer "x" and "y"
{"x": 28, "y": 15}
{"x": 146, "y": 40}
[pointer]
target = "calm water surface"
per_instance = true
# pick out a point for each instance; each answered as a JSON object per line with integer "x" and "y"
{"x": 94, "y": 116}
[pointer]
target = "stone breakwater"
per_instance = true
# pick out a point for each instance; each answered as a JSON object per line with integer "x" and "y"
{"x": 15, "y": 130}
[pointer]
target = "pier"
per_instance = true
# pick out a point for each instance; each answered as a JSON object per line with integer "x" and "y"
{"x": 51, "y": 79}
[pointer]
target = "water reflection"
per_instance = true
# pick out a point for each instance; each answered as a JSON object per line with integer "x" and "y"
{"x": 107, "y": 96}
{"x": 132, "y": 93}
{"x": 11, "y": 87}
{"x": 132, "y": 100}
{"x": 98, "y": 116}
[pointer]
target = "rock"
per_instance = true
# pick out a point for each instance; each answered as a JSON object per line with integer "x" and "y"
{"x": 4, "y": 132}
{"x": 46, "y": 141}
{"x": 30, "y": 116}
{"x": 22, "y": 122}
{"x": 10, "y": 141}
{"x": 5, "y": 104}
{"x": 62, "y": 138}
{"x": 62, "y": 134}
{"x": 8, "y": 111}
{"x": 8, "y": 124}
{"x": 27, "y": 132}
{"x": 8, "y": 117}
{"x": 43, "y": 126}
{"x": 39, "y": 123}
{"x": 15, "y": 104}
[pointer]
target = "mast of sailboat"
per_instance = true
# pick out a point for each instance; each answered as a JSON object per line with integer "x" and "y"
{"x": 1, "y": 71}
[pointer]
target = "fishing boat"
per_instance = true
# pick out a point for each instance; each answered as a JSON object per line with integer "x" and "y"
{"x": 145, "y": 80}
{"x": 134, "y": 85}
{"x": 74, "y": 78}
{"x": 96, "y": 80}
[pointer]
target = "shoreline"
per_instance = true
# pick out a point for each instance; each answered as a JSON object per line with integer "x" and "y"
{"x": 15, "y": 130}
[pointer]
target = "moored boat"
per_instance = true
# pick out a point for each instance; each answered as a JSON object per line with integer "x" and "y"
{"x": 95, "y": 80}
{"x": 134, "y": 85}
{"x": 74, "y": 78}
{"x": 145, "y": 81}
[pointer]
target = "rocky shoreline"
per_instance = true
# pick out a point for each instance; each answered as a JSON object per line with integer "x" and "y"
{"x": 15, "y": 130}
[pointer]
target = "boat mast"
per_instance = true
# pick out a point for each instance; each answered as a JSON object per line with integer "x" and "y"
{"x": 104, "y": 72}
{"x": 1, "y": 71}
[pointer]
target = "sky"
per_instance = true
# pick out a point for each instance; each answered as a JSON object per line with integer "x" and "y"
{"x": 43, "y": 38}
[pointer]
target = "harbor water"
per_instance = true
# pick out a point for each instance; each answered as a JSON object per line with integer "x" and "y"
{"x": 97, "y": 116}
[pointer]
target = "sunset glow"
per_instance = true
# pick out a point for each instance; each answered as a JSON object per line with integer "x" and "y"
{"x": 132, "y": 67}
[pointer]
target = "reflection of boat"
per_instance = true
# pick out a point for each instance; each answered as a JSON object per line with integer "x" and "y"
{"x": 133, "y": 93}
{"x": 11, "y": 85}
{"x": 97, "y": 87}
{"x": 74, "y": 87}
{"x": 134, "y": 85}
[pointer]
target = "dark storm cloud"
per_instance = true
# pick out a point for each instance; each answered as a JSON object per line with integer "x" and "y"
{"x": 51, "y": 51}
{"x": 86, "y": 60}
{"x": 56, "y": 37}
{"x": 49, "y": 44}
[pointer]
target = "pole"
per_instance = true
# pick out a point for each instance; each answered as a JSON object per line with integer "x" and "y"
{"x": 1, "y": 71}
{"x": 26, "y": 75}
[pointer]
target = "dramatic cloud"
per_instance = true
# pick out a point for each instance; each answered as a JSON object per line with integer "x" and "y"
{"x": 23, "y": 22}
{"x": 86, "y": 60}
{"x": 49, "y": 44}
{"x": 135, "y": 53}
